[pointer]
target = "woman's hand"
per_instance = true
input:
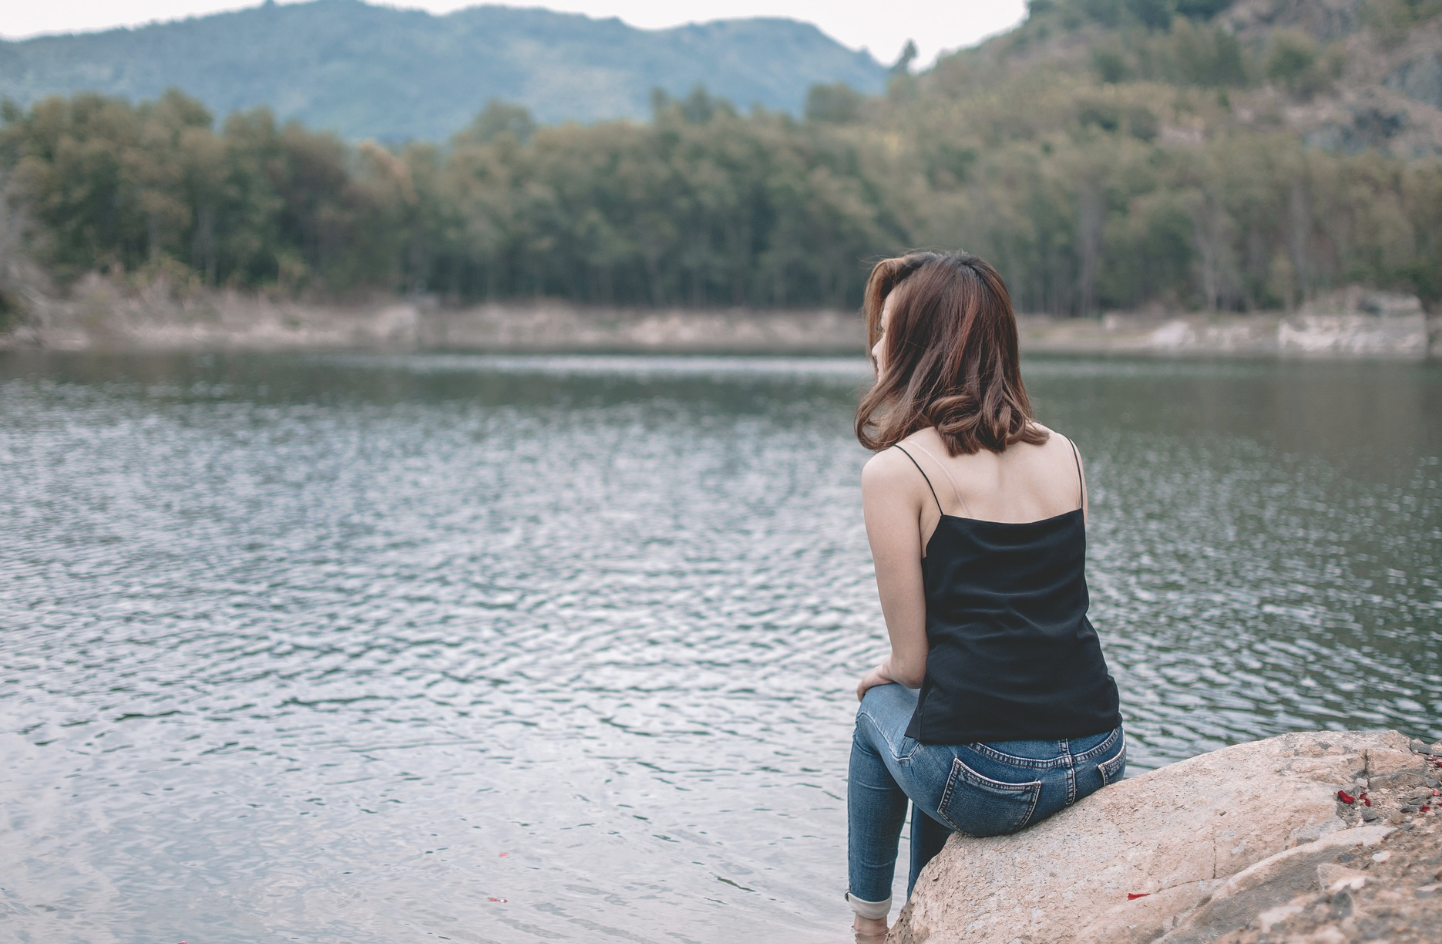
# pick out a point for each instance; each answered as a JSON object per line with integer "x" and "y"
{"x": 876, "y": 676}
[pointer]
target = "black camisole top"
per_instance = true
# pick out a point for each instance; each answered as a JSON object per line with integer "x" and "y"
{"x": 1012, "y": 654}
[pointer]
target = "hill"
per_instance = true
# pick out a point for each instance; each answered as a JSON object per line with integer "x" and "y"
{"x": 1106, "y": 155}
{"x": 1339, "y": 75}
{"x": 377, "y": 72}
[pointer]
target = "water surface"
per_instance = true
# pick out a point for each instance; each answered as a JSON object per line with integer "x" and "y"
{"x": 382, "y": 648}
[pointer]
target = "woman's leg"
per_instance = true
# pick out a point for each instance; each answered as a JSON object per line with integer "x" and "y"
{"x": 887, "y": 768}
{"x": 927, "y": 838}
{"x": 875, "y": 808}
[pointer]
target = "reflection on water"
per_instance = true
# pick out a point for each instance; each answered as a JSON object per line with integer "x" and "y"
{"x": 533, "y": 649}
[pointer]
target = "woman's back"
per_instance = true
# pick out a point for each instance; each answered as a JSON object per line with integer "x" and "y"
{"x": 1023, "y": 483}
{"x": 1011, "y": 655}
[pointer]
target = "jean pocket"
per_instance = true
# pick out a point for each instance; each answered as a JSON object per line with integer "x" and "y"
{"x": 1112, "y": 770}
{"x": 980, "y": 806}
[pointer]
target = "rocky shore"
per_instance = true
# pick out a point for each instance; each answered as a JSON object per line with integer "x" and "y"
{"x": 1320, "y": 838}
{"x": 98, "y": 315}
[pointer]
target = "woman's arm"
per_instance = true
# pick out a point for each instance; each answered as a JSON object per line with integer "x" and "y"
{"x": 892, "y": 502}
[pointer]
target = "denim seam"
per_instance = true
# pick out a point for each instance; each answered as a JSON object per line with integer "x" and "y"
{"x": 1114, "y": 764}
{"x": 1101, "y": 748}
{"x": 881, "y": 734}
{"x": 1015, "y": 761}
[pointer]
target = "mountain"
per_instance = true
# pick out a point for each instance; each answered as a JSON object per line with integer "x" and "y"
{"x": 1340, "y": 75}
{"x": 377, "y": 72}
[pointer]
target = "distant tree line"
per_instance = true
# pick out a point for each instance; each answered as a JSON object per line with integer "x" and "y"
{"x": 1086, "y": 195}
{"x": 701, "y": 207}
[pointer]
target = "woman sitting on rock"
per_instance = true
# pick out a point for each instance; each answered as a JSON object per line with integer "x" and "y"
{"x": 994, "y": 708}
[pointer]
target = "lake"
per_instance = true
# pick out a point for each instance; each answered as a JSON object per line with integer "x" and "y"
{"x": 381, "y": 648}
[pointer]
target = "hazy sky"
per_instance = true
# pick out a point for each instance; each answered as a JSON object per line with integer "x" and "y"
{"x": 883, "y": 28}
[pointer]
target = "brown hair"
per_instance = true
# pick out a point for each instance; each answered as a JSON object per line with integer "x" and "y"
{"x": 951, "y": 356}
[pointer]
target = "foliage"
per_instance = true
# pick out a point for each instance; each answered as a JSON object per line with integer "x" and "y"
{"x": 702, "y": 206}
{"x": 1120, "y": 177}
{"x": 837, "y": 102}
{"x": 1148, "y": 14}
{"x": 1296, "y": 63}
{"x": 1187, "y": 54}
{"x": 1392, "y": 19}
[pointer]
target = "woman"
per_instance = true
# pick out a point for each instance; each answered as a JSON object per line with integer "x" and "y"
{"x": 995, "y": 708}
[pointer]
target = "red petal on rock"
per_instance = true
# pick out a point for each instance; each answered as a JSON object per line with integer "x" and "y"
{"x": 1346, "y": 797}
{"x": 1133, "y": 896}
{"x": 1366, "y": 801}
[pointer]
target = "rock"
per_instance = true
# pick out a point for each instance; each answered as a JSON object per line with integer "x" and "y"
{"x": 1333, "y": 878}
{"x": 1274, "y": 916}
{"x": 1418, "y": 746}
{"x": 1278, "y": 878}
{"x": 1396, "y": 818}
{"x": 1391, "y": 767}
{"x": 1261, "y": 818}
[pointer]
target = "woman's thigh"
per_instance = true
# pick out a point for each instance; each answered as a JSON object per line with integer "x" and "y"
{"x": 920, "y": 770}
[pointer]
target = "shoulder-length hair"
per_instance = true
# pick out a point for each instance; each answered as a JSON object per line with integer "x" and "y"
{"x": 951, "y": 356}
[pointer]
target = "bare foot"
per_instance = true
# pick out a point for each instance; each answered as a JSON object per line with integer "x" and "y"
{"x": 869, "y": 930}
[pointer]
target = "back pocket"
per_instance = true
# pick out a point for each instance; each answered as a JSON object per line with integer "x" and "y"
{"x": 980, "y": 806}
{"x": 1112, "y": 770}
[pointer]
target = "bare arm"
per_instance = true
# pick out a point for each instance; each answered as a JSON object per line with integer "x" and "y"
{"x": 892, "y": 502}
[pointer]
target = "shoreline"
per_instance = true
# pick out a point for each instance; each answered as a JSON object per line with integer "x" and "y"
{"x": 98, "y": 317}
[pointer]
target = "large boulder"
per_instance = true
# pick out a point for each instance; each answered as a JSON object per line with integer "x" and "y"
{"x": 1179, "y": 854}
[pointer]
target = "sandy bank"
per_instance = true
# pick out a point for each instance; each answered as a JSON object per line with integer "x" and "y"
{"x": 97, "y": 316}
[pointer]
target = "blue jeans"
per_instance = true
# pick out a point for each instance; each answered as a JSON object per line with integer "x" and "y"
{"x": 982, "y": 789}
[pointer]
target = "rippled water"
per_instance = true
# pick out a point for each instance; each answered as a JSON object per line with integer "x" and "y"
{"x": 373, "y": 649}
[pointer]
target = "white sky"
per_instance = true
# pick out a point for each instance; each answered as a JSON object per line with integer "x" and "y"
{"x": 935, "y": 25}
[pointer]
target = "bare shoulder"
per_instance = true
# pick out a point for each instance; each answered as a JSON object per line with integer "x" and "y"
{"x": 1055, "y": 440}
{"x": 885, "y": 469}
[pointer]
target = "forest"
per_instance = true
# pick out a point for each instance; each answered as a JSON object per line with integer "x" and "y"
{"x": 1134, "y": 174}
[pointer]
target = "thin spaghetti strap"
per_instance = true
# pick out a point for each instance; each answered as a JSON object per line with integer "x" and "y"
{"x": 925, "y": 476}
{"x": 1081, "y": 485}
{"x": 956, "y": 489}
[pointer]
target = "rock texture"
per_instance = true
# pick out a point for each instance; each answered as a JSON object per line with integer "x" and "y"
{"x": 1185, "y": 854}
{"x": 1352, "y": 322}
